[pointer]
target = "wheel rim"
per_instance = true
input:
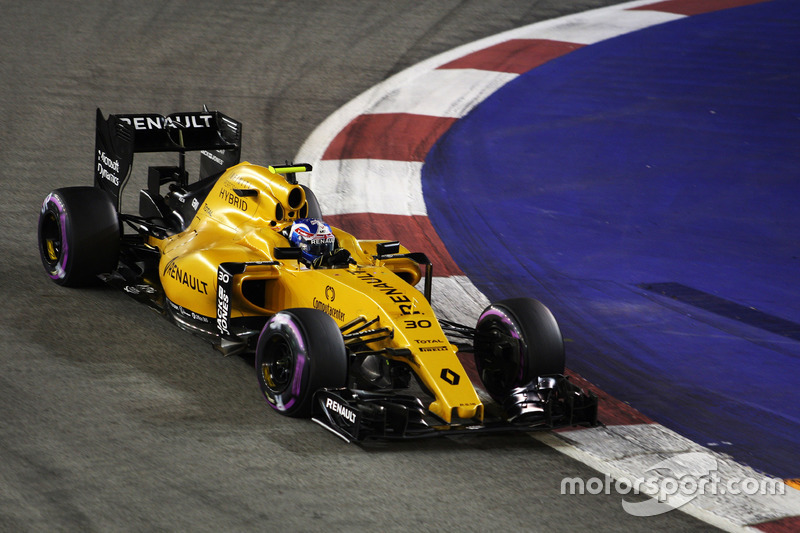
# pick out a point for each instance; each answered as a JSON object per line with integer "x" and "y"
{"x": 499, "y": 354}
{"x": 500, "y": 364}
{"x": 51, "y": 239}
{"x": 278, "y": 364}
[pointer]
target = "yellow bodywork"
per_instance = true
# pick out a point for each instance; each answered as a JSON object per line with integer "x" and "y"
{"x": 240, "y": 221}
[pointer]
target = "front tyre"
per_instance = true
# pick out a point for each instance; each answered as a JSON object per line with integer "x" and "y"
{"x": 79, "y": 235}
{"x": 516, "y": 341}
{"x": 299, "y": 352}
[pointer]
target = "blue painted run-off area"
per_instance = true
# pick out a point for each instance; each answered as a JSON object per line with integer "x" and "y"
{"x": 647, "y": 189}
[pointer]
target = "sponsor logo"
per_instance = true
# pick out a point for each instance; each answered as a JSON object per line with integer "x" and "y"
{"x": 157, "y": 122}
{"x": 233, "y": 199}
{"x": 178, "y": 274}
{"x": 336, "y": 407}
{"x": 199, "y": 318}
{"x": 107, "y": 168}
{"x": 328, "y": 309}
{"x": 330, "y": 294}
{"x": 212, "y": 157}
{"x": 404, "y": 303}
{"x": 433, "y": 349}
{"x": 223, "y": 303}
{"x": 449, "y": 376}
{"x": 139, "y": 289}
{"x": 189, "y": 314}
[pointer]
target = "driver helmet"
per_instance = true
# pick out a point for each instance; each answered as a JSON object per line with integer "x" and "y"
{"x": 313, "y": 236}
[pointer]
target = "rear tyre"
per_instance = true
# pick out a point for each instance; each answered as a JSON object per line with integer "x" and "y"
{"x": 299, "y": 352}
{"x": 79, "y": 235}
{"x": 516, "y": 341}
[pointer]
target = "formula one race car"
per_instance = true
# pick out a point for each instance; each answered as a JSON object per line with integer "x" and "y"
{"x": 242, "y": 257}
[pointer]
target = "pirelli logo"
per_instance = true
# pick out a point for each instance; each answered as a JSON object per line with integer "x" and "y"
{"x": 433, "y": 349}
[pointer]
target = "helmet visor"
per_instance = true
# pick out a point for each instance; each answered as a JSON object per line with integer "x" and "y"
{"x": 320, "y": 244}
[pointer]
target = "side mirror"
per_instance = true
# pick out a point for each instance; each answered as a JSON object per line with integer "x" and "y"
{"x": 388, "y": 248}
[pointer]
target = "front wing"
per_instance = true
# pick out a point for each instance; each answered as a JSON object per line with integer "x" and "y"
{"x": 356, "y": 415}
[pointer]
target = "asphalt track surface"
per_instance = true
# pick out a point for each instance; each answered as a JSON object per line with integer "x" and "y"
{"x": 110, "y": 417}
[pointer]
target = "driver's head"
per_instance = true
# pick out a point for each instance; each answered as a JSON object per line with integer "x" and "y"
{"x": 313, "y": 236}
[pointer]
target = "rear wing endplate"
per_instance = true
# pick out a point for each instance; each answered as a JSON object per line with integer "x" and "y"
{"x": 217, "y": 137}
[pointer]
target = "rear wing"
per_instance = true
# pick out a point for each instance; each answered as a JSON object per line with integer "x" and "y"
{"x": 217, "y": 137}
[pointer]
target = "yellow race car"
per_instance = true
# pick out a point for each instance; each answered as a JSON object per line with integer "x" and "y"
{"x": 340, "y": 331}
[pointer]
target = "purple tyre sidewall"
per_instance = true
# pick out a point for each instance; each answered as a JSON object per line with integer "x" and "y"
{"x": 54, "y": 205}
{"x": 284, "y": 328}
